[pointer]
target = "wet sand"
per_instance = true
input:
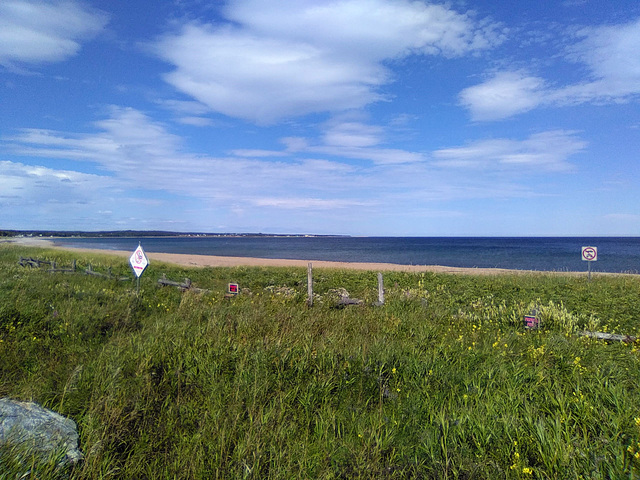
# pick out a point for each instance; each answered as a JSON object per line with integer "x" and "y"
{"x": 192, "y": 260}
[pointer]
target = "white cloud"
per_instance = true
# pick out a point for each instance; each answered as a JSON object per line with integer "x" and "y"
{"x": 380, "y": 156}
{"x": 610, "y": 54}
{"x": 33, "y": 32}
{"x": 307, "y": 203}
{"x": 350, "y": 139}
{"x": 196, "y": 121}
{"x": 353, "y": 134}
{"x": 248, "y": 152}
{"x": 541, "y": 152}
{"x": 184, "y": 107}
{"x": 289, "y": 58}
{"x": 345, "y": 140}
{"x": 504, "y": 95}
{"x": 373, "y": 29}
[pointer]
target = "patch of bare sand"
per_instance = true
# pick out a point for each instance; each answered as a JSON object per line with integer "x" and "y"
{"x": 28, "y": 241}
{"x": 191, "y": 260}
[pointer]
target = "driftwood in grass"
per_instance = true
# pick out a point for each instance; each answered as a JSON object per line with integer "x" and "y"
{"x": 343, "y": 296}
{"x": 186, "y": 285}
{"x": 32, "y": 262}
{"x": 340, "y": 298}
{"x": 612, "y": 337}
{"x": 346, "y": 301}
{"x": 55, "y": 269}
{"x": 37, "y": 263}
{"x": 90, "y": 271}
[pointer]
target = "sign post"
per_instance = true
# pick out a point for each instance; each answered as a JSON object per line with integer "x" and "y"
{"x": 138, "y": 262}
{"x": 589, "y": 254}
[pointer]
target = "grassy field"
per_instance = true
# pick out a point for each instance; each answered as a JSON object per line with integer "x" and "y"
{"x": 440, "y": 382}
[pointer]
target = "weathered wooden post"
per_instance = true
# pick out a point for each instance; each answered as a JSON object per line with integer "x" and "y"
{"x": 380, "y": 289}
{"x": 310, "y": 285}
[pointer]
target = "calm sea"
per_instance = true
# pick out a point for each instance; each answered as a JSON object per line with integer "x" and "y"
{"x": 615, "y": 254}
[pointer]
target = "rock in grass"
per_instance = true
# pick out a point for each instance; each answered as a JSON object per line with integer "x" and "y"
{"x": 38, "y": 431}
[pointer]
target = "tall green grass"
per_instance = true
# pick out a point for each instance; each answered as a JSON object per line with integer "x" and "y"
{"x": 440, "y": 382}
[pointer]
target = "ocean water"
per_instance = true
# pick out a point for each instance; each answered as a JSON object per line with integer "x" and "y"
{"x": 615, "y": 254}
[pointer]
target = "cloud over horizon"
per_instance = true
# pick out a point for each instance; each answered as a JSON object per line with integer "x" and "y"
{"x": 312, "y": 176}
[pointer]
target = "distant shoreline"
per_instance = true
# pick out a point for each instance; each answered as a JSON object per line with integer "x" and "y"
{"x": 195, "y": 260}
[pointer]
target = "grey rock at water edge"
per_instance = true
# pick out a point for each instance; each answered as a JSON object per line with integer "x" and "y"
{"x": 39, "y": 430}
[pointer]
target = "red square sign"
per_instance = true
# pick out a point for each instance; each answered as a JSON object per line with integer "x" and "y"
{"x": 531, "y": 321}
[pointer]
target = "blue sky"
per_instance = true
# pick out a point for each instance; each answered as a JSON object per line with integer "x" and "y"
{"x": 360, "y": 117}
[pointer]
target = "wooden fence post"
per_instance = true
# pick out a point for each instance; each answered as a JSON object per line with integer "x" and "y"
{"x": 380, "y": 289}
{"x": 310, "y": 285}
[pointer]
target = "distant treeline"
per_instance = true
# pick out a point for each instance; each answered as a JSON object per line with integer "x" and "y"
{"x": 136, "y": 233}
{"x": 77, "y": 233}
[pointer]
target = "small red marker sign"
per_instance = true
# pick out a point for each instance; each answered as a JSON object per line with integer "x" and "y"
{"x": 531, "y": 321}
{"x": 234, "y": 289}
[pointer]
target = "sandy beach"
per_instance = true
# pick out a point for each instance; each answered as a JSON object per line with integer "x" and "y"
{"x": 192, "y": 260}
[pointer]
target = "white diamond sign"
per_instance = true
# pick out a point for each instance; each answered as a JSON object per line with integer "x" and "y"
{"x": 138, "y": 261}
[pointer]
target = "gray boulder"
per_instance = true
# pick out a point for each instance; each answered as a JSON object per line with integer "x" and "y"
{"x": 36, "y": 430}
